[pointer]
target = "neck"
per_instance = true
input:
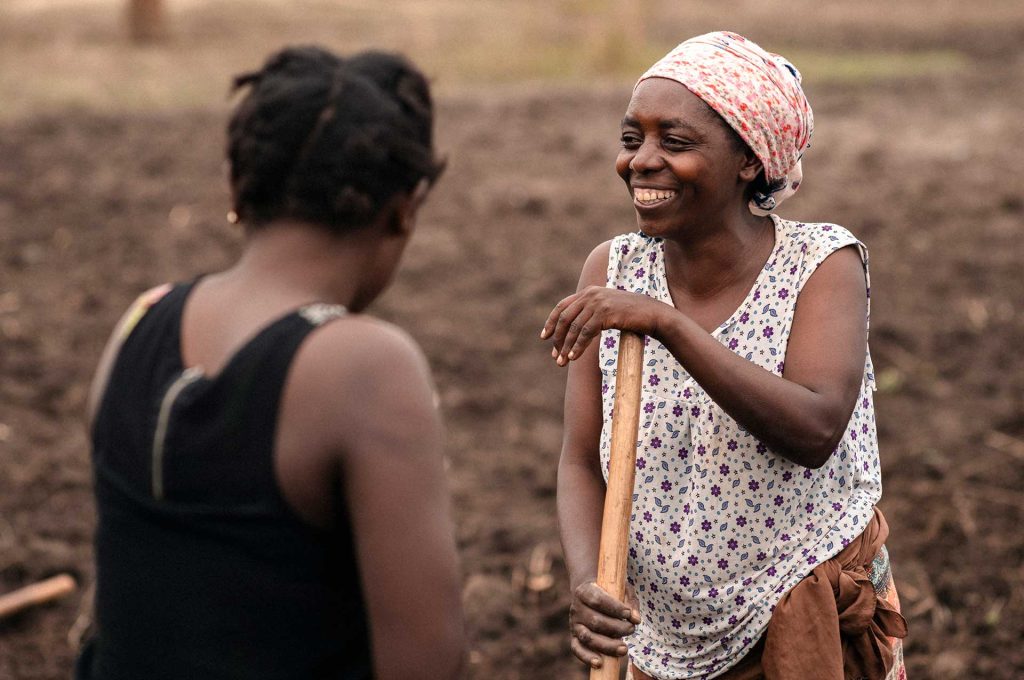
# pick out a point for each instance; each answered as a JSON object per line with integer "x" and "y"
{"x": 301, "y": 262}
{"x": 707, "y": 260}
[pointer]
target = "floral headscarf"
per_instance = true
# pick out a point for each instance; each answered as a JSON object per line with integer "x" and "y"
{"x": 757, "y": 93}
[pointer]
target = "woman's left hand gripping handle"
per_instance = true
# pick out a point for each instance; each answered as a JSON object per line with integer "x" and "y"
{"x": 598, "y": 623}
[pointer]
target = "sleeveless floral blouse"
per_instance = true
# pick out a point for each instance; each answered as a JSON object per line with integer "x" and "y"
{"x": 721, "y": 525}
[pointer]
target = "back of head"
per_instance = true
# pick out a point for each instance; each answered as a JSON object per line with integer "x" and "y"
{"x": 327, "y": 140}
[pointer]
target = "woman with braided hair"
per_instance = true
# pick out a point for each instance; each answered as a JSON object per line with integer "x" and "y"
{"x": 756, "y": 549}
{"x": 267, "y": 458}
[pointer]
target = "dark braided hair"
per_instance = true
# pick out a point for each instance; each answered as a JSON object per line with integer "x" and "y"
{"x": 329, "y": 140}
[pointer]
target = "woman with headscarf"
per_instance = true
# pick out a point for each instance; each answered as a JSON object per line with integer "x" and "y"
{"x": 756, "y": 549}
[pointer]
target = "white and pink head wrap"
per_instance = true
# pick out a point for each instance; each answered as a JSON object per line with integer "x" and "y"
{"x": 759, "y": 96}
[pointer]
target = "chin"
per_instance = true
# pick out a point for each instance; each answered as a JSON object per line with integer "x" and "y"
{"x": 652, "y": 228}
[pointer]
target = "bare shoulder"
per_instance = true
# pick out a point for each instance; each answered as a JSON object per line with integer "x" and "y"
{"x": 842, "y": 269}
{"x": 599, "y": 255}
{"x": 828, "y": 339}
{"x": 369, "y": 380}
{"x": 363, "y": 345}
{"x": 595, "y": 269}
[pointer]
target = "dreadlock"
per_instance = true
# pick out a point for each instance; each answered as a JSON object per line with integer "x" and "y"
{"x": 329, "y": 140}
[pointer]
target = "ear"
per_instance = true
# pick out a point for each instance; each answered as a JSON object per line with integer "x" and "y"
{"x": 750, "y": 166}
{"x": 232, "y": 190}
{"x": 404, "y": 218}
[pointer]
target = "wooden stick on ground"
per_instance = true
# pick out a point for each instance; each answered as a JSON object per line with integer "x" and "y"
{"x": 618, "y": 500}
{"x": 48, "y": 590}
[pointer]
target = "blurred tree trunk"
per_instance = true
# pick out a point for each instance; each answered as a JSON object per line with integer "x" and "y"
{"x": 146, "y": 20}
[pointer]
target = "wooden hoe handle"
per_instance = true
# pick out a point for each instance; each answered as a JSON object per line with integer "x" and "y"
{"x": 618, "y": 500}
{"x": 52, "y": 588}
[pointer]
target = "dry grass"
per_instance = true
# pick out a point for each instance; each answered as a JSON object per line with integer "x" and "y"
{"x": 75, "y": 54}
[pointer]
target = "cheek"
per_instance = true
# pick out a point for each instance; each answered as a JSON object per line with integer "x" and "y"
{"x": 622, "y": 164}
{"x": 386, "y": 262}
{"x": 690, "y": 167}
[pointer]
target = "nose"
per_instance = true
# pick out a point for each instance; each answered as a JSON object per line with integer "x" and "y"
{"x": 647, "y": 158}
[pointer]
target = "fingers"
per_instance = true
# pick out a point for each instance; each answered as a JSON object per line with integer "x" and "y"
{"x": 568, "y": 335}
{"x": 588, "y": 646}
{"x": 594, "y": 634}
{"x": 572, "y": 318}
{"x": 574, "y": 322}
{"x": 634, "y": 604}
{"x": 579, "y": 318}
{"x": 552, "y": 320}
{"x": 581, "y": 331}
{"x": 598, "y": 642}
{"x": 599, "y": 612}
{"x": 598, "y": 623}
{"x": 588, "y": 657}
{"x": 598, "y": 599}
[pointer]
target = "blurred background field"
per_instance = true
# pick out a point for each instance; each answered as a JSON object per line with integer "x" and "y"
{"x": 112, "y": 180}
{"x": 74, "y": 52}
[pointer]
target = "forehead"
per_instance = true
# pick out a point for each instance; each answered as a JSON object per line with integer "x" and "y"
{"x": 659, "y": 99}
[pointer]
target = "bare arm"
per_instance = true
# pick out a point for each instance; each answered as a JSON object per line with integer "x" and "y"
{"x": 597, "y": 619}
{"x": 388, "y": 434}
{"x": 801, "y": 415}
{"x": 581, "y": 485}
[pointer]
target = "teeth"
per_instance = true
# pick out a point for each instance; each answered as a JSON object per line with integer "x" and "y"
{"x": 652, "y": 195}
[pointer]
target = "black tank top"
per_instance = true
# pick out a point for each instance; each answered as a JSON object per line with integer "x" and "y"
{"x": 203, "y": 570}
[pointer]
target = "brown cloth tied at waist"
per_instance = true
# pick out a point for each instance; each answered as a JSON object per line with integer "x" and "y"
{"x": 830, "y": 626}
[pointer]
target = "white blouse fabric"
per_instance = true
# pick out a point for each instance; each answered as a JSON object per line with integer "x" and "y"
{"x": 722, "y": 526}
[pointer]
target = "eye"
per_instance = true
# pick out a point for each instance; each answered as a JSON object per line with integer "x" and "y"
{"x": 675, "y": 143}
{"x": 630, "y": 140}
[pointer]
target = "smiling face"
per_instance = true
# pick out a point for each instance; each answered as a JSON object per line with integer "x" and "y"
{"x": 683, "y": 166}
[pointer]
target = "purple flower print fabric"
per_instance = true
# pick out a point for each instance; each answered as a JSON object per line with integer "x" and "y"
{"x": 721, "y": 525}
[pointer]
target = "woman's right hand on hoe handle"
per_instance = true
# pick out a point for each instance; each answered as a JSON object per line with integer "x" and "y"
{"x": 579, "y": 318}
{"x": 598, "y": 622}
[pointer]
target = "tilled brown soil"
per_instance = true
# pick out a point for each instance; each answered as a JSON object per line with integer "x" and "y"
{"x": 95, "y": 209}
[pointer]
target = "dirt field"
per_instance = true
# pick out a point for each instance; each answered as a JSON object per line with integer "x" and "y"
{"x": 918, "y": 155}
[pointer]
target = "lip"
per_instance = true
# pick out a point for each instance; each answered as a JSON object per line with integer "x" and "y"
{"x": 655, "y": 205}
{"x": 653, "y": 187}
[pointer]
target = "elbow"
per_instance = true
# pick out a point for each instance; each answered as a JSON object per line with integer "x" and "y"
{"x": 441, "y": 655}
{"x": 815, "y": 444}
{"x": 450, "y": 648}
{"x": 818, "y": 446}
{"x": 823, "y": 432}
{"x": 454, "y": 656}
{"x": 808, "y": 457}
{"x": 577, "y": 466}
{"x": 816, "y": 458}
{"x": 423, "y": 647}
